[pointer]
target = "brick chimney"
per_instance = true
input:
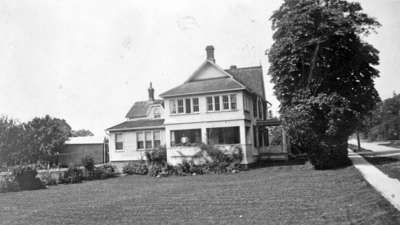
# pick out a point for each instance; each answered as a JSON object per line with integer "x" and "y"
{"x": 210, "y": 53}
{"x": 151, "y": 92}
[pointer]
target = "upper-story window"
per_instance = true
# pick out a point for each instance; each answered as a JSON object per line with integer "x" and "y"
{"x": 184, "y": 105}
{"x": 221, "y": 102}
{"x": 119, "y": 144}
{"x": 157, "y": 112}
{"x": 247, "y": 103}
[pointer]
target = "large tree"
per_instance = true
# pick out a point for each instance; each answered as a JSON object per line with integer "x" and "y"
{"x": 46, "y": 136}
{"x": 323, "y": 74}
{"x": 81, "y": 133}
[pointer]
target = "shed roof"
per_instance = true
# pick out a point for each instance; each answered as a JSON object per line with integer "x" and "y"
{"x": 85, "y": 140}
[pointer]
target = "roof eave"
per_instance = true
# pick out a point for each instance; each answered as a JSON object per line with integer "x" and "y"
{"x": 202, "y": 92}
{"x": 135, "y": 128}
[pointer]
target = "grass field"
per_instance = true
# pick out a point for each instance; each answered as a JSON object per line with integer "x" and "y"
{"x": 294, "y": 194}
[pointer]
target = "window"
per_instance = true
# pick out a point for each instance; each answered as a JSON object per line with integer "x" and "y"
{"x": 224, "y": 135}
{"x": 260, "y": 108}
{"x": 156, "y": 139}
{"x": 119, "y": 144}
{"x": 255, "y": 107}
{"x": 195, "y": 104}
{"x": 172, "y": 106}
{"x": 210, "y": 104}
{"x": 157, "y": 112}
{"x": 225, "y": 102}
{"x": 185, "y": 137}
{"x": 187, "y": 105}
{"x": 233, "y": 102}
{"x": 148, "y": 138}
{"x": 140, "y": 140}
{"x": 180, "y": 106}
{"x": 216, "y": 103}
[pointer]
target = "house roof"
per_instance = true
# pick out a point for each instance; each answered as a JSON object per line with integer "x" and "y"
{"x": 247, "y": 78}
{"x": 85, "y": 140}
{"x": 138, "y": 124}
{"x": 251, "y": 77}
{"x": 139, "y": 109}
{"x": 204, "y": 86}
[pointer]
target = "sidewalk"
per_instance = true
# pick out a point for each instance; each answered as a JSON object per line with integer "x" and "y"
{"x": 388, "y": 187}
{"x": 377, "y": 148}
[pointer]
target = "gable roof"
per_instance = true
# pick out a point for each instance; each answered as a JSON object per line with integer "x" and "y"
{"x": 246, "y": 78}
{"x": 140, "y": 108}
{"x": 251, "y": 77}
{"x": 138, "y": 124}
{"x": 204, "y": 86}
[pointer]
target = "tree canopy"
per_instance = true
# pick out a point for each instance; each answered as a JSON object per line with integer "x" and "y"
{"x": 323, "y": 74}
{"x": 81, "y": 133}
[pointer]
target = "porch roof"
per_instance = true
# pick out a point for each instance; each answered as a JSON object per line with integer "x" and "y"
{"x": 138, "y": 124}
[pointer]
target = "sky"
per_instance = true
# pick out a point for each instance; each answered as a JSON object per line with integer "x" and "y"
{"x": 89, "y": 61}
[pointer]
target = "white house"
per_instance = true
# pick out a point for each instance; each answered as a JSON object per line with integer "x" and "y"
{"x": 226, "y": 108}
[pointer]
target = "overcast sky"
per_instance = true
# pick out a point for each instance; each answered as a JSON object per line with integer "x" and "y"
{"x": 89, "y": 61}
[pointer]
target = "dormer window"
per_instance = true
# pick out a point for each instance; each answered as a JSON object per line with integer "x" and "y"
{"x": 157, "y": 112}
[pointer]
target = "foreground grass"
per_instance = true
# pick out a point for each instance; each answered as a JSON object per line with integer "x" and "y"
{"x": 271, "y": 195}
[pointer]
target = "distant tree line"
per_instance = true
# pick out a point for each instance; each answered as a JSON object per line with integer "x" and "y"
{"x": 384, "y": 122}
{"x": 35, "y": 141}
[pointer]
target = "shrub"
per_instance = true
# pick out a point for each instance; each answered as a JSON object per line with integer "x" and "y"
{"x": 155, "y": 169}
{"x": 135, "y": 168}
{"x": 104, "y": 172}
{"x": 72, "y": 175}
{"x": 8, "y": 184}
{"x": 26, "y": 178}
{"x": 158, "y": 156}
{"x": 48, "y": 179}
{"x": 88, "y": 163}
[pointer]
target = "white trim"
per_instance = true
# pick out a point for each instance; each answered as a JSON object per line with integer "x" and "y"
{"x": 137, "y": 128}
{"x": 203, "y": 93}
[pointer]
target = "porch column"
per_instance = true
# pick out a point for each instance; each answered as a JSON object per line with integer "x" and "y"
{"x": 204, "y": 135}
{"x": 245, "y": 151}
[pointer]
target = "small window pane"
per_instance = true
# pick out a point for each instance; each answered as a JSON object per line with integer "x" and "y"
{"x": 140, "y": 140}
{"x": 209, "y": 104}
{"x": 233, "y": 102}
{"x": 216, "y": 103}
{"x": 225, "y": 101}
{"x": 180, "y": 105}
{"x": 148, "y": 139}
{"x": 119, "y": 144}
{"x": 188, "y": 105}
{"x": 172, "y": 106}
{"x": 195, "y": 105}
{"x": 156, "y": 139}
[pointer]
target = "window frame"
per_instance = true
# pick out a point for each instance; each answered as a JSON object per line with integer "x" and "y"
{"x": 195, "y": 105}
{"x": 116, "y": 142}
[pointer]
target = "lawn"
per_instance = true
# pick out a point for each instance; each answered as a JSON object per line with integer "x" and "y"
{"x": 294, "y": 194}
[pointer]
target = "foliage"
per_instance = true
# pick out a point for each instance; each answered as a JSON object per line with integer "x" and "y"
{"x": 72, "y": 175}
{"x": 48, "y": 179}
{"x": 26, "y": 178}
{"x": 276, "y": 135}
{"x": 384, "y": 123}
{"x": 81, "y": 133}
{"x": 88, "y": 163}
{"x": 323, "y": 74}
{"x": 8, "y": 184}
{"x": 38, "y": 140}
{"x": 155, "y": 169}
{"x": 11, "y": 140}
{"x": 104, "y": 172}
{"x": 46, "y": 137}
{"x": 158, "y": 156}
{"x": 135, "y": 168}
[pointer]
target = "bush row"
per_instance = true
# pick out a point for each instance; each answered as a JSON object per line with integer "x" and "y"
{"x": 216, "y": 161}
